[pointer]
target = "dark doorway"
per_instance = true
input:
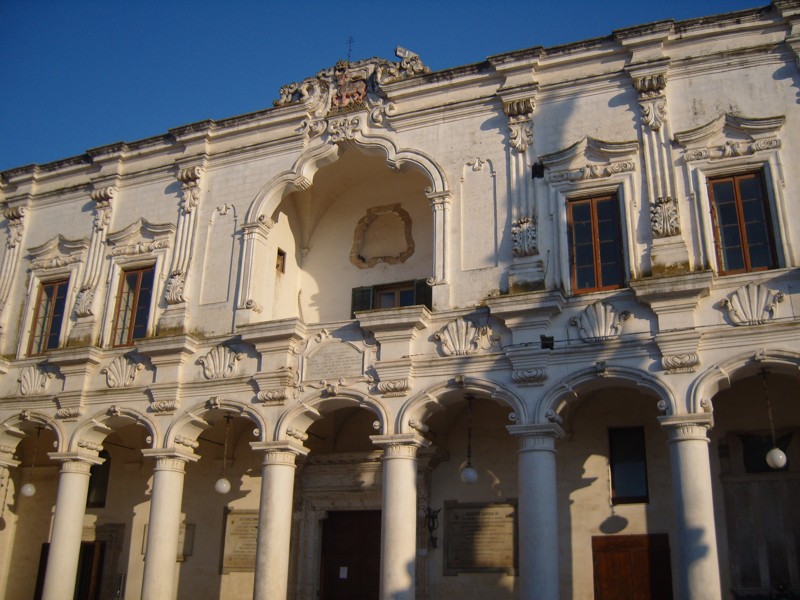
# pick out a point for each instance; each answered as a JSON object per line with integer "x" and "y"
{"x": 351, "y": 555}
{"x": 632, "y": 567}
{"x": 90, "y": 571}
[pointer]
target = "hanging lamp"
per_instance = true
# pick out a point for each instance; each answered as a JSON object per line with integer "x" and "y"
{"x": 28, "y": 489}
{"x": 468, "y": 473}
{"x": 223, "y": 485}
{"x": 776, "y": 458}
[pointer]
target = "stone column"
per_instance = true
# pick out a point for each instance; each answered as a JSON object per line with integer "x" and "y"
{"x": 163, "y": 530}
{"x": 537, "y": 516}
{"x": 696, "y": 570}
{"x": 275, "y": 518}
{"x": 65, "y": 540}
{"x": 399, "y": 515}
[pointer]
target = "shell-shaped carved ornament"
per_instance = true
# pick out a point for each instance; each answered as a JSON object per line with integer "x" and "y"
{"x": 461, "y": 337}
{"x": 599, "y": 322}
{"x": 752, "y": 304}
{"x": 33, "y": 379}
{"x": 121, "y": 372}
{"x": 220, "y": 362}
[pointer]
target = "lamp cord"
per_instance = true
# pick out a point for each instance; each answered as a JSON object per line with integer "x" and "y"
{"x": 469, "y": 431}
{"x": 769, "y": 407}
{"x": 225, "y": 447}
{"x": 35, "y": 453}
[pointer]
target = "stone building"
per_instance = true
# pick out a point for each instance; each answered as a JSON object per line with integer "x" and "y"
{"x": 518, "y": 329}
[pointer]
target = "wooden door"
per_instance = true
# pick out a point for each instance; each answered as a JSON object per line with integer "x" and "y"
{"x": 632, "y": 567}
{"x": 351, "y": 555}
{"x": 90, "y": 571}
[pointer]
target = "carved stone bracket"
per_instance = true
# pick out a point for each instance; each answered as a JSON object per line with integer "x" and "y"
{"x": 520, "y": 130}
{"x": 664, "y": 220}
{"x": 650, "y": 88}
{"x": 752, "y": 304}
{"x": 277, "y": 386}
{"x": 599, "y": 322}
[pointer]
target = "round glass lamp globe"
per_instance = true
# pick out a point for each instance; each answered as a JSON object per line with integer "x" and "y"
{"x": 776, "y": 459}
{"x": 222, "y": 486}
{"x": 28, "y": 490}
{"x": 469, "y": 475}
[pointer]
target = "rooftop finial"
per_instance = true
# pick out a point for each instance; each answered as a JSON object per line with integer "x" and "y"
{"x": 350, "y": 41}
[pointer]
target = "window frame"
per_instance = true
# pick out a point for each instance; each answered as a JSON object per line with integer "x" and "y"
{"x": 48, "y": 328}
{"x": 124, "y": 272}
{"x": 420, "y": 287}
{"x": 593, "y": 200}
{"x": 769, "y": 222}
{"x": 631, "y": 499}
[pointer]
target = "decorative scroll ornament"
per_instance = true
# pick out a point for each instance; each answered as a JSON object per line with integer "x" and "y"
{"x": 33, "y": 380}
{"x": 344, "y": 129}
{"x": 14, "y": 217}
{"x": 592, "y": 171}
{"x": 664, "y": 221}
{"x": 220, "y": 362}
{"x": 70, "y": 413}
{"x": 173, "y": 290}
{"x": 83, "y": 303}
{"x": 349, "y": 86}
{"x": 393, "y": 388}
{"x": 599, "y": 322}
{"x": 520, "y": 130}
{"x": 534, "y": 376}
{"x": 102, "y": 206}
{"x": 523, "y": 237}
{"x": 680, "y": 363}
{"x": 121, "y": 372}
{"x": 752, "y": 304}
{"x": 651, "y": 99}
{"x": 461, "y": 337}
{"x": 190, "y": 184}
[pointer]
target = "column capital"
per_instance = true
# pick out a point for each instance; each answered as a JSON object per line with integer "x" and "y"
{"x": 76, "y": 462}
{"x": 687, "y": 427}
{"x": 283, "y": 452}
{"x": 400, "y": 445}
{"x": 169, "y": 459}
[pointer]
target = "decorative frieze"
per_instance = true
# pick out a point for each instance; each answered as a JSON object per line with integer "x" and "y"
{"x": 752, "y": 304}
{"x": 731, "y": 149}
{"x": 599, "y": 322}
{"x": 592, "y": 171}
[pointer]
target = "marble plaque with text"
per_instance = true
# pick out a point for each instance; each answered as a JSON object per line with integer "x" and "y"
{"x": 334, "y": 360}
{"x": 241, "y": 539}
{"x": 480, "y": 537}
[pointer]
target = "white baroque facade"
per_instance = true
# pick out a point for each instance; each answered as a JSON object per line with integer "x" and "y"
{"x": 570, "y": 271}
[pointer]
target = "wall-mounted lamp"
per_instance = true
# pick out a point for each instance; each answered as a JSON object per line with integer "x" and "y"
{"x": 432, "y": 523}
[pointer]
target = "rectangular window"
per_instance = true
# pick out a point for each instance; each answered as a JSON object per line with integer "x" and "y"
{"x": 742, "y": 230}
{"x": 48, "y": 316}
{"x": 595, "y": 244}
{"x": 280, "y": 261}
{"x": 628, "y": 465}
{"x": 408, "y": 293}
{"x": 133, "y": 306}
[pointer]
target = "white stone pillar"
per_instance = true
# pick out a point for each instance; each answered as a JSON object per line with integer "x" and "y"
{"x": 399, "y": 515}
{"x": 275, "y": 518}
{"x": 696, "y": 570}
{"x": 537, "y": 514}
{"x": 163, "y": 531}
{"x": 65, "y": 539}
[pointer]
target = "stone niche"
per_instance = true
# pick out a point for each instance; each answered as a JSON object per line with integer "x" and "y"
{"x": 383, "y": 235}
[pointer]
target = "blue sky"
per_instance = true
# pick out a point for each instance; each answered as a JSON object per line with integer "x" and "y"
{"x": 79, "y": 74}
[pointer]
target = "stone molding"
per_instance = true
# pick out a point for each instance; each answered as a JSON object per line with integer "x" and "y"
{"x": 599, "y": 322}
{"x": 122, "y": 371}
{"x": 752, "y": 304}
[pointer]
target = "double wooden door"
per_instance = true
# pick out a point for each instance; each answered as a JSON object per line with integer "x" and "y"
{"x": 351, "y": 555}
{"x": 632, "y": 567}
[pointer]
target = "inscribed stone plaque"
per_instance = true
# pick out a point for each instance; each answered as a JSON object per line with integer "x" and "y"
{"x": 185, "y": 540}
{"x": 333, "y": 360}
{"x": 241, "y": 539}
{"x": 480, "y": 538}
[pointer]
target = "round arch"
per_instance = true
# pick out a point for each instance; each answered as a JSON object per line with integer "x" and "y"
{"x": 12, "y": 430}
{"x": 189, "y": 425}
{"x": 92, "y": 433}
{"x": 301, "y": 175}
{"x": 299, "y": 418}
{"x": 565, "y": 392}
{"x": 720, "y": 376}
{"x": 429, "y": 401}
